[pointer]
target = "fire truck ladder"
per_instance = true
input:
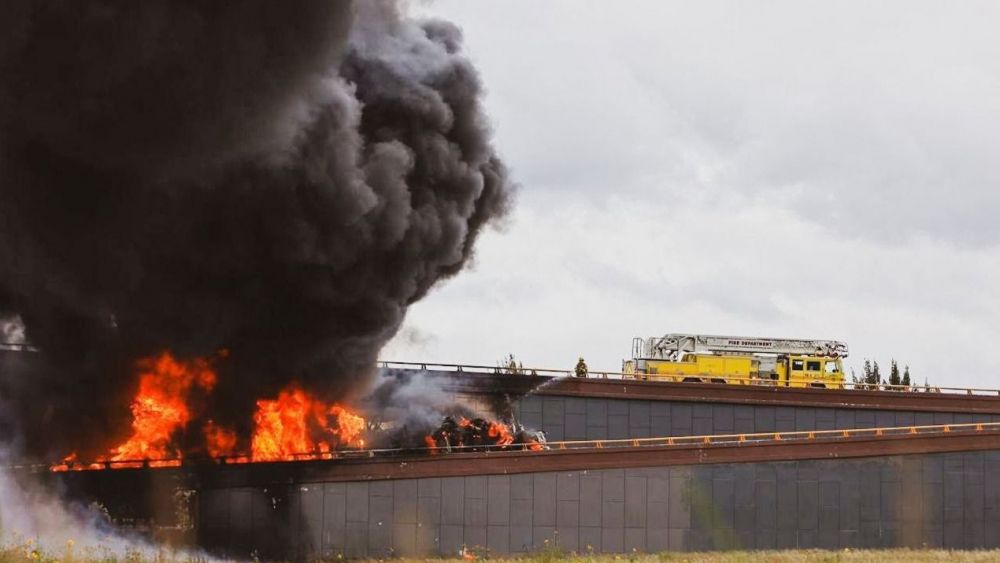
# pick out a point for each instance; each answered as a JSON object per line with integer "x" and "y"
{"x": 672, "y": 346}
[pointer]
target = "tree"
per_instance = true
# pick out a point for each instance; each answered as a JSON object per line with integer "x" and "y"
{"x": 894, "y": 378}
{"x": 511, "y": 366}
{"x": 873, "y": 376}
{"x": 581, "y": 368}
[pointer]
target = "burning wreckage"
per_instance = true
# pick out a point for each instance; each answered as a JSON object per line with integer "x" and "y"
{"x": 464, "y": 435}
{"x": 296, "y": 425}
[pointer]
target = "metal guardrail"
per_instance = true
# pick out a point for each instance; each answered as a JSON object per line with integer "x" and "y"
{"x": 774, "y": 437}
{"x": 547, "y": 372}
{"x": 750, "y": 439}
{"x": 17, "y": 347}
{"x": 668, "y": 378}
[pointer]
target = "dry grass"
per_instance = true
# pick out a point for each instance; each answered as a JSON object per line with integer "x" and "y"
{"x": 29, "y": 553}
{"x": 787, "y": 556}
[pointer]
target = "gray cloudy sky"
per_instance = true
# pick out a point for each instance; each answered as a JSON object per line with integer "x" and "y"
{"x": 800, "y": 169}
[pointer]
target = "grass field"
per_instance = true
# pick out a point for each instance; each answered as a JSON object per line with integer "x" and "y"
{"x": 28, "y": 552}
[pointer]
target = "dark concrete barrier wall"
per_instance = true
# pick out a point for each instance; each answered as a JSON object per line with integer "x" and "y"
{"x": 576, "y": 418}
{"x": 934, "y": 500}
{"x": 586, "y": 409}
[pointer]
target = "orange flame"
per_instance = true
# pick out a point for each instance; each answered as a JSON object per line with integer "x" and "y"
{"x": 66, "y": 464}
{"x": 160, "y": 407}
{"x": 500, "y": 434}
{"x": 349, "y": 426}
{"x": 431, "y": 444}
{"x": 219, "y": 440}
{"x": 295, "y": 425}
{"x": 298, "y": 426}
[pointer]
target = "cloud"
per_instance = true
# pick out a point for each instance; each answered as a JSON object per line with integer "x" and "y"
{"x": 877, "y": 122}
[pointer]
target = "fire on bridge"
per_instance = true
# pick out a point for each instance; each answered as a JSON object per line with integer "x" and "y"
{"x": 294, "y": 426}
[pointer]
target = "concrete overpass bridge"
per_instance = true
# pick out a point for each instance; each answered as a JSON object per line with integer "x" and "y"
{"x": 632, "y": 465}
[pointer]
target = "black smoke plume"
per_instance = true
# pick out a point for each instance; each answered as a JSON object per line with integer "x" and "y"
{"x": 278, "y": 179}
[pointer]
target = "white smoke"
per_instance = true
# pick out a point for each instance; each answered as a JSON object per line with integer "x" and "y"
{"x": 413, "y": 397}
{"x": 32, "y": 518}
{"x": 35, "y": 521}
{"x": 12, "y": 330}
{"x": 415, "y": 402}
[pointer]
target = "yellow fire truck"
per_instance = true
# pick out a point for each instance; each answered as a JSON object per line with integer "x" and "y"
{"x": 743, "y": 360}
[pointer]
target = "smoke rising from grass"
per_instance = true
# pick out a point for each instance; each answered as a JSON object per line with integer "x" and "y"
{"x": 39, "y": 525}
